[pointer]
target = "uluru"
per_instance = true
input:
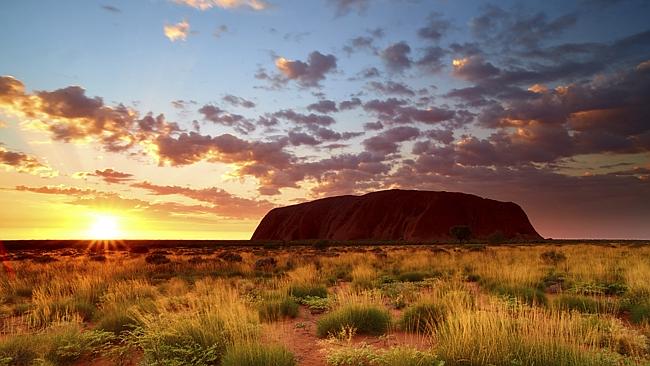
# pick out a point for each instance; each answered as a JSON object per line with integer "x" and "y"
{"x": 408, "y": 215}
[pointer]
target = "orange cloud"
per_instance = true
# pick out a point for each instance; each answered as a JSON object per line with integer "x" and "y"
{"x": 24, "y": 163}
{"x": 225, "y": 4}
{"x": 178, "y": 31}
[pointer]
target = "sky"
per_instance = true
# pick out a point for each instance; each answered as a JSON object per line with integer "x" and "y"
{"x": 190, "y": 119}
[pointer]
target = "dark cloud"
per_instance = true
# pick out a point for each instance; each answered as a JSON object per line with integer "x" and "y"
{"x": 238, "y": 101}
{"x": 307, "y": 74}
{"x": 323, "y": 106}
{"x": 397, "y": 111}
{"x": 518, "y": 29}
{"x": 343, "y": 7}
{"x": 304, "y": 119}
{"x": 388, "y": 141}
{"x": 373, "y": 126}
{"x": 219, "y": 116}
{"x": 350, "y": 104}
{"x": 111, "y": 9}
{"x": 391, "y": 88}
{"x": 433, "y": 59}
{"x": 435, "y": 28}
{"x": 368, "y": 73}
{"x": 108, "y": 175}
{"x": 396, "y": 56}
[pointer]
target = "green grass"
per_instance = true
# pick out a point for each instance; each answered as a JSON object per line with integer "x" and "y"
{"x": 422, "y": 317}
{"x": 201, "y": 341}
{"x": 585, "y": 304}
{"x": 71, "y": 344}
{"x": 275, "y": 309}
{"x": 365, "y": 319}
{"x": 413, "y": 276}
{"x": 19, "y": 350}
{"x": 396, "y": 356}
{"x": 258, "y": 355}
{"x": 303, "y": 291}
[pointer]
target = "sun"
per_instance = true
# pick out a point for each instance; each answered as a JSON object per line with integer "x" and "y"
{"x": 105, "y": 226}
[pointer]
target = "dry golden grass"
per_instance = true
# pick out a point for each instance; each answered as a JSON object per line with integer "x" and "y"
{"x": 500, "y": 302}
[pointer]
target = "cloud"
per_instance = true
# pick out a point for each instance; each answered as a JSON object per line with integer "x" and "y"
{"x": 219, "y": 116}
{"x": 397, "y": 111}
{"x": 225, "y": 4}
{"x": 323, "y": 106}
{"x": 396, "y": 56}
{"x": 111, "y": 9}
{"x": 373, "y": 126}
{"x": 307, "y": 74}
{"x": 436, "y": 27}
{"x": 518, "y": 30}
{"x": 388, "y": 141}
{"x": 433, "y": 59}
{"x": 344, "y": 7}
{"x": 391, "y": 88}
{"x": 350, "y": 104}
{"x": 23, "y": 163}
{"x": 238, "y": 101}
{"x": 223, "y": 203}
{"x": 108, "y": 175}
{"x": 178, "y": 31}
{"x": 220, "y": 31}
{"x": 309, "y": 120}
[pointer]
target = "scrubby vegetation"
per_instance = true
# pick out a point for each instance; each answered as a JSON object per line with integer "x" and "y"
{"x": 457, "y": 304}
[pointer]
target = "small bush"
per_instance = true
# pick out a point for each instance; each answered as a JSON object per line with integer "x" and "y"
{"x": 640, "y": 313}
{"x": 258, "y": 355}
{"x": 265, "y": 264}
{"x": 303, "y": 291}
{"x": 139, "y": 249}
{"x": 316, "y": 305}
{"x": 366, "y": 319}
{"x": 496, "y": 237}
{"x": 230, "y": 257}
{"x": 274, "y": 310}
{"x": 116, "y": 321}
{"x": 422, "y": 317}
{"x": 529, "y": 295}
{"x": 367, "y": 356}
{"x": 157, "y": 258}
{"x": 460, "y": 232}
{"x": 412, "y": 276}
{"x": 585, "y": 304}
{"x": 19, "y": 350}
{"x": 553, "y": 257}
{"x": 70, "y": 344}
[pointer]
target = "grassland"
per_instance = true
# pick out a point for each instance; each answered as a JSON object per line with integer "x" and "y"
{"x": 472, "y": 304}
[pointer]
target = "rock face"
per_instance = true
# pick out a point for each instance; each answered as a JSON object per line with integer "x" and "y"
{"x": 395, "y": 215}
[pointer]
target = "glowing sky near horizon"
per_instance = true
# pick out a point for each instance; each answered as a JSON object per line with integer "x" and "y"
{"x": 192, "y": 118}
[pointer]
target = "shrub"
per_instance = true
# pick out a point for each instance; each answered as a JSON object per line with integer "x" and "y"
{"x": 316, "y": 305}
{"x": 139, "y": 249}
{"x": 303, "y": 291}
{"x": 496, "y": 237}
{"x": 19, "y": 350}
{"x": 367, "y": 356}
{"x": 116, "y": 321}
{"x": 366, "y": 319}
{"x": 156, "y": 258}
{"x": 460, "y": 232}
{"x": 412, "y": 276}
{"x": 230, "y": 257}
{"x": 422, "y": 317}
{"x": 528, "y": 295}
{"x": 258, "y": 355}
{"x": 266, "y": 264}
{"x": 70, "y": 344}
{"x": 276, "y": 309}
{"x": 640, "y": 313}
{"x": 585, "y": 304}
{"x": 172, "y": 340}
{"x": 553, "y": 257}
